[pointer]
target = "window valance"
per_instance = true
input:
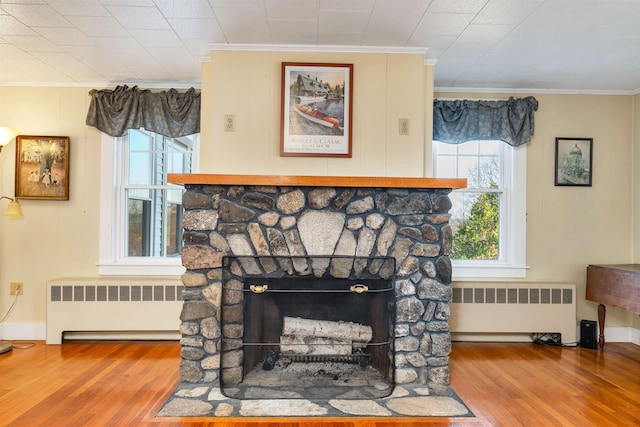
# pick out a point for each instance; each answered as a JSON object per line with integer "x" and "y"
{"x": 458, "y": 121}
{"x": 170, "y": 113}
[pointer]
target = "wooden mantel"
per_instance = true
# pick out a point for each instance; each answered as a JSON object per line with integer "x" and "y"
{"x": 317, "y": 181}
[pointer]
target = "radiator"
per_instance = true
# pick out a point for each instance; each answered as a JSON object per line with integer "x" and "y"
{"x": 132, "y": 308}
{"x": 490, "y": 311}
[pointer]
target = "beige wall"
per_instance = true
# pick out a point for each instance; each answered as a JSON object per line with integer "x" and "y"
{"x": 571, "y": 227}
{"x": 636, "y": 185}
{"x": 54, "y": 238}
{"x": 386, "y": 87}
{"x": 636, "y": 188}
{"x": 567, "y": 228}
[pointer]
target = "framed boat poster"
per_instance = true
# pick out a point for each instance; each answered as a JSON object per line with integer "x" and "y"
{"x": 574, "y": 157}
{"x": 316, "y": 110}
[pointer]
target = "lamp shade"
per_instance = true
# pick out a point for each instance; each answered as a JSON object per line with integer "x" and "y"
{"x": 6, "y": 135}
{"x": 14, "y": 210}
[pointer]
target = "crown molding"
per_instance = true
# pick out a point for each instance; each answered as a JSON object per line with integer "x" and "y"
{"x": 535, "y": 91}
{"x": 317, "y": 48}
{"x": 106, "y": 85}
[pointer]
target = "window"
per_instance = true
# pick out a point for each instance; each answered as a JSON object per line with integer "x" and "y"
{"x": 141, "y": 214}
{"x": 488, "y": 218}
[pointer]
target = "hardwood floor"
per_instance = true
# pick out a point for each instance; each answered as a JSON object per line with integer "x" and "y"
{"x": 504, "y": 384}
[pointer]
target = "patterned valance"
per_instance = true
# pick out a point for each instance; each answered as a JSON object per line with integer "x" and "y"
{"x": 458, "y": 121}
{"x": 170, "y": 113}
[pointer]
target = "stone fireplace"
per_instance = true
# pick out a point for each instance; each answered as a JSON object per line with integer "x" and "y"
{"x": 303, "y": 236}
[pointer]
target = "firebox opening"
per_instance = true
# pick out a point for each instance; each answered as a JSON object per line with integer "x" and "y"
{"x": 307, "y": 333}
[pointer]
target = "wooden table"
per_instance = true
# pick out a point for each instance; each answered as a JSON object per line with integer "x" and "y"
{"x": 616, "y": 285}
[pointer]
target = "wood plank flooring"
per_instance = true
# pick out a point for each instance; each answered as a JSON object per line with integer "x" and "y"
{"x": 504, "y": 384}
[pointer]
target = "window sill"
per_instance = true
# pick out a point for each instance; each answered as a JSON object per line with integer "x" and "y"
{"x": 466, "y": 271}
{"x": 140, "y": 269}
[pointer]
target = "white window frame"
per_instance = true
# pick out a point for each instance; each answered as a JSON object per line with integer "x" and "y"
{"x": 112, "y": 219}
{"x": 513, "y": 227}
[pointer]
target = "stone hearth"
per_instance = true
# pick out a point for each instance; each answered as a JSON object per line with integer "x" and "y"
{"x": 402, "y": 218}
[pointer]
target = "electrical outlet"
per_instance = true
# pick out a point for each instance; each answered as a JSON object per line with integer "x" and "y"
{"x": 229, "y": 123}
{"x": 403, "y": 126}
{"x": 16, "y": 288}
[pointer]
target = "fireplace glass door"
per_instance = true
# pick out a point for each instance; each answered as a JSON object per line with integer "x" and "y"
{"x": 307, "y": 327}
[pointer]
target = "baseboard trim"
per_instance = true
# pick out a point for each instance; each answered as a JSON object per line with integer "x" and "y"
{"x": 23, "y": 331}
{"x": 622, "y": 334}
{"x": 38, "y": 331}
{"x": 611, "y": 334}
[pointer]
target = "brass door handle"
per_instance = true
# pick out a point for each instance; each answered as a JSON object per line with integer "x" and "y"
{"x": 359, "y": 288}
{"x": 258, "y": 289}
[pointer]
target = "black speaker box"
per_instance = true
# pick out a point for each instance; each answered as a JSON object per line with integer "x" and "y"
{"x": 588, "y": 334}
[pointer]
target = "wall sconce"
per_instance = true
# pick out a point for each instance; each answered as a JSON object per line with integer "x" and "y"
{"x": 6, "y": 135}
{"x": 14, "y": 210}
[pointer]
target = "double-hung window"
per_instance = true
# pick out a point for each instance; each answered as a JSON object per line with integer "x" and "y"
{"x": 488, "y": 218}
{"x": 141, "y": 213}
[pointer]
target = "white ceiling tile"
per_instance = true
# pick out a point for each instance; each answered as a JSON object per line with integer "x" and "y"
{"x": 506, "y": 11}
{"x": 390, "y": 23}
{"x": 97, "y": 26}
{"x": 291, "y": 9}
{"x": 488, "y": 43}
{"x": 484, "y": 33}
{"x": 442, "y": 24}
{"x": 79, "y": 7}
{"x": 119, "y": 45}
{"x": 437, "y": 45}
{"x": 35, "y": 70}
{"x": 294, "y": 32}
{"x": 148, "y": 70}
{"x": 174, "y": 58}
{"x": 340, "y": 39}
{"x": 96, "y": 59}
{"x": 198, "y": 47}
{"x": 156, "y": 38}
{"x": 128, "y": 3}
{"x": 11, "y": 26}
{"x": 452, "y": 69}
{"x": 9, "y": 73}
{"x": 139, "y": 63}
{"x": 36, "y": 15}
{"x": 456, "y": 6}
{"x": 32, "y": 43}
{"x": 198, "y": 29}
{"x": 8, "y": 51}
{"x": 388, "y": 17}
{"x": 64, "y": 36}
{"x": 343, "y": 22}
{"x": 466, "y": 51}
{"x": 185, "y": 8}
{"x": 245, "y": 26}
{"x": 614, "y": 11}
{"x": 67, "y": 64}
{"x": 346, "y": 5}
{"x": 235, "y": 4}
{"x": 566, "y": 7}
{"x": 141, "y": 18}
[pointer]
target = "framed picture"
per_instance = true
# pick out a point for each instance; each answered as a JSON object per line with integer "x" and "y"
{"x": 574, "y": 159}
{"x": 316, "y": 109}
{"x": 42, "y": 167}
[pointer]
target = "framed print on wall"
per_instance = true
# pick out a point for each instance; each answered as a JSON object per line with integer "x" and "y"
{"x": 42, "y": 167}
{"x": 574, "y": 158}
{"x": 316, "y": 110}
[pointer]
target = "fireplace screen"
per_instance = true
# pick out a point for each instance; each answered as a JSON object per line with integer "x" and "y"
{"x": 313, "y": 327}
